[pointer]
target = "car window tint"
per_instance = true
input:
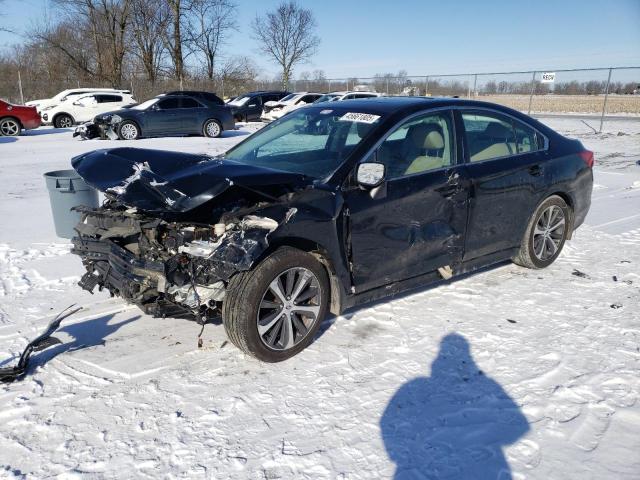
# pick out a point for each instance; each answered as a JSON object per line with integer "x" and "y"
{"x": 169, "y": 104}
{"x": 489, "y": 136}
{"x": 256, "y": 101}
{"x": 419, "y": 145}
{"x": 189, "y": 103}
{"x": 109, "y": 98}
{"x": 527, "y": 139}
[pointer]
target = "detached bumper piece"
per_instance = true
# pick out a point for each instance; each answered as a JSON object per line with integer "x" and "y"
{"x": 45, "y": 340}
{"x": 90, "y": 130}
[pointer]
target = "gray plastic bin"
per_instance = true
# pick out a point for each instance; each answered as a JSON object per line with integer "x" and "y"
{"x": 68, "y": 190}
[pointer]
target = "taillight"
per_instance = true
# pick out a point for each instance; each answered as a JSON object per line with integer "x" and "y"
{"x": 587, "y": 157}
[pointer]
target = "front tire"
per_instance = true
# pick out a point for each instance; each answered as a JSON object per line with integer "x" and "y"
{"x": 128, "y": 130}
{"x": 545, "y": 235}
{"x": 63, "y": 121}
{"x": 10, "y": 127}
{"x": 212, "y": 129}
{"x": 273, "y": 311}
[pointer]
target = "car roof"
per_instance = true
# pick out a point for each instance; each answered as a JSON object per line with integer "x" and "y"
{"x": 407, "y": 105}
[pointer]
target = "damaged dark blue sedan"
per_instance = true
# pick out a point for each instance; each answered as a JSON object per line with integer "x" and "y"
{"x": 331, "y": 206}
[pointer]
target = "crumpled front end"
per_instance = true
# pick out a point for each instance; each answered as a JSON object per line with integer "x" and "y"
{"x": 103, "y": 126}
{"x": 167, "y": 267}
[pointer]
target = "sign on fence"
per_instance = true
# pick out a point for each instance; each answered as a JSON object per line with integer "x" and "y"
{"x": 548, "y": 77}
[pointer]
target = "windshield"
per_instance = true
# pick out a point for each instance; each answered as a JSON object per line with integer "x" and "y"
{"x": 145, "y": 105}
{"x": 310, "y": 141}
{"x": 327, "y": 98}
{"x": 238, "y": 102}
{"x": 291, "y": 96}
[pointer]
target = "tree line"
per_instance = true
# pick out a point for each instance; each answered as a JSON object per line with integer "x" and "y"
{"x": 150, "y": 46}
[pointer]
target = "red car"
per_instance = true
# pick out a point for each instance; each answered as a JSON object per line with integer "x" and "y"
{"x": 14, "y": 118}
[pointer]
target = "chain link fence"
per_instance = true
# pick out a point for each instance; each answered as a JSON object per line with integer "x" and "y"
{"x": 593, "y": 92}
{"x": 597, "y": 92}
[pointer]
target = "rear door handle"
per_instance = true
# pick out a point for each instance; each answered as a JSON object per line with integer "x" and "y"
{"x": 449, "y": 189}
{"x": 535, "y": 170}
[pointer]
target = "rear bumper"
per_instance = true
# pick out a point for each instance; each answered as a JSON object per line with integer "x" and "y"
{"x": 31, "y": 123}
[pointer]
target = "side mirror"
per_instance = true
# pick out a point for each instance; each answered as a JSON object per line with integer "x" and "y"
{"x": 370, "y": 174}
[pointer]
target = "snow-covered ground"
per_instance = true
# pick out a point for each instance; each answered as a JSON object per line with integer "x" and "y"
{"x": 533, "y": 374}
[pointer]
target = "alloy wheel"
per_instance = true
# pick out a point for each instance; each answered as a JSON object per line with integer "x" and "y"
{"x": 9, "y": 128}
{"x": 129, "y": 131}
{"x": 213, "y": 129}
{"x": 65, "y": 122}
{"x": 549, "y": 232}
{"x": 289, "y": 308}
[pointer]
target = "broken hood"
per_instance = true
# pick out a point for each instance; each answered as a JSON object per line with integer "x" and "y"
{"x": 163, "y": 181}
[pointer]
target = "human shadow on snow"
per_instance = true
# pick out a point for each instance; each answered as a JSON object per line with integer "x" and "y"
{"x": 452, "y": 424}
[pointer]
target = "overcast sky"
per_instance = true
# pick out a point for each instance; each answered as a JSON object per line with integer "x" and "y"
{"x": 361, "y": 38}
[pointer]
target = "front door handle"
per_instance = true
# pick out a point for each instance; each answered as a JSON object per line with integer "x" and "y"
{"x": 535, "y": 170}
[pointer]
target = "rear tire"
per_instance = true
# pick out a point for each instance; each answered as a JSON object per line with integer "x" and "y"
{"x": 273, "y": 311}
{"x": 10, "y": 127}
{"x": 128, "y": 130}
{"x": 63, "y": 121}
{"x": 212, "y": 129}
{"x": 545, "y": 235}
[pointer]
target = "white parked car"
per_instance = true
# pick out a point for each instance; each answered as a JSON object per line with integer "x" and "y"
{"x": 275, "y": 109}
{"x": 85, "y": 108}
{"x": 339, "y": 96}
{"x": 65, "y": 95}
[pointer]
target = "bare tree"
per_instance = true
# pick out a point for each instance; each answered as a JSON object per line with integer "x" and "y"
{"x": 288, "y": 36}
{"x": 213, "y": 21}
{"x": 175, "y": 37}
{"x": 149, "y": 23}
{"x": 101, "y": 25}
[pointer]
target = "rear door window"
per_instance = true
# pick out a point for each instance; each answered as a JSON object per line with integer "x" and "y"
{"x": 169, "y": 104}
{"x": 109, "y": 98}
{"x": 189, "y": 103}
{"x": 489, "y": 136}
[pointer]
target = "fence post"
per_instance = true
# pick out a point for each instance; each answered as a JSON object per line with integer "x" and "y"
{"x": 426, "y": 85}
{"x": 606, "y": 96}
{"x": 20, "y": 87}
{"x": 387, "y": 85}
{"x": 329, "y": 85}
{"x": 475, "y": 84}
{"x": 347, "y": 84}
{"x": 468, "y": 89}
{"x": 533, "y": 89}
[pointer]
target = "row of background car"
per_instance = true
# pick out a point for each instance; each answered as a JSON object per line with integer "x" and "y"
{"x": 204, "y": 112}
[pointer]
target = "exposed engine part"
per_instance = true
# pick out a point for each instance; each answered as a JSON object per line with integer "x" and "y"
{"x": 161, "y": 265}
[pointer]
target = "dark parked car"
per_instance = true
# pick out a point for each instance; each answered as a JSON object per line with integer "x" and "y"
{"x": 208, "y": 97}
{"x": 248, "y": 107}
{"x": 165, "y": 115}
{"x": 15, "y": 118}
{"x": 295, "y": 221}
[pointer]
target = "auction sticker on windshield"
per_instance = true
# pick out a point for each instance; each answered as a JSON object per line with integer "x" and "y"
{"x": 359, "y": 117}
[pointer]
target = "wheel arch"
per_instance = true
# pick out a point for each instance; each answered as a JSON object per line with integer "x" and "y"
{"x": 12, "y": 117}
{"x": 568, "y": 199}
{"x": 135, "y": 122}
{"x": 59, "y": 114}
{"x": 336, "y": 300}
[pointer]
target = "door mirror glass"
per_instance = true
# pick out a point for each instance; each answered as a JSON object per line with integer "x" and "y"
{"x": 370, "y": 174}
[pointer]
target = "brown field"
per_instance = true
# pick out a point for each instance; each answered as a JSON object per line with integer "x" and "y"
{"x": 616, "y": 104}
